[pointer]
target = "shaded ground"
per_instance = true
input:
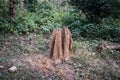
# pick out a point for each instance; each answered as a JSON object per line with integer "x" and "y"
{"x": 30, "y": 54}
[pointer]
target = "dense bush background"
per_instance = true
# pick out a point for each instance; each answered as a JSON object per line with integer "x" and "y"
{"x": 43, "y": 16}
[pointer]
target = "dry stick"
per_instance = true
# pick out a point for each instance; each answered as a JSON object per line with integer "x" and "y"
{"x": 104, "y": 47}
{"x": 113, "y": 47}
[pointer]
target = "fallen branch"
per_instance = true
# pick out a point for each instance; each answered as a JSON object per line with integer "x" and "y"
{"x": 113, "y": 47}
{"x": 103, "y": 46}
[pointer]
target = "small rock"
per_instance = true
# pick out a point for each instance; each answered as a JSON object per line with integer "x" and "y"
{"x": 43, "y": 76}
{"x": 1, "y": 67}
{"x": 13, "y": 69}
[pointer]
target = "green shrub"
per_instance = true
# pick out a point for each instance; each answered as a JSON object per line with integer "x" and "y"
{"x": 3, "y": 16}
{"x": 49, "y": 18}
{"x": 24, "y": 22}
{"x": 111, "y": 21}
{"x": 44, "y": 18}
{"x": 70, "y": 17}
{"x": 93, "y": 31}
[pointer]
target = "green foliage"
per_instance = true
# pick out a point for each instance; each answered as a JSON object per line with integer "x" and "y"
{"x": 93, "y": 31}
{"x": 44, "y": 18}
{"x": 3, "y": 9}
{"x": 111, "y": 21}
{"x": 3, "y": 15}
{"x": 49, "y": 18}
{"x": 31, "y": 5}
{"x": 98, "y": 9}
{"x": 70, "y": 18}
{"x": 24, "y": 22}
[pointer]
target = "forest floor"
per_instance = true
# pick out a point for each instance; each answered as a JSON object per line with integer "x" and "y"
{"x": 30, "y": 54}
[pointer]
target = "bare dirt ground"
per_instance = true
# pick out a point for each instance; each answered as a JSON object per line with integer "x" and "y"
{"x": 30, "y": 54}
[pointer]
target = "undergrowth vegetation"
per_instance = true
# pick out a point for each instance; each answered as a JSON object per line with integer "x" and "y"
{"x": 44, "y": 16}
{"x": 94, "y": 31}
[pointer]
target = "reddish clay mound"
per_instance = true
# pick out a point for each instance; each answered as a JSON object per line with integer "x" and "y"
{"x": 60, "y": 44}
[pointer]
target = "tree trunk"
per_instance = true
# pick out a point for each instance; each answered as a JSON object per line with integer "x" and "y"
{"x": 60, "y": 44}
{"x": 12, "y": 8}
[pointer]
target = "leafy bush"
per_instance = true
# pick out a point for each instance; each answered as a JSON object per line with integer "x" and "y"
{"x": 111, "y": 21}
{"x": 70, "y": 18}
{"x": 3, "y": 15}
{"x": 24, "y": 22}
{"x": 44, "y": 18}
{"x": 49, "y": 18}
{"x": 98, "y": 9}
{"x": 93, "y": 31}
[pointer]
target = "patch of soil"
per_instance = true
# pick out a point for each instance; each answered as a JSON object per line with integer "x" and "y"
{"x": 47, "y": 66}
